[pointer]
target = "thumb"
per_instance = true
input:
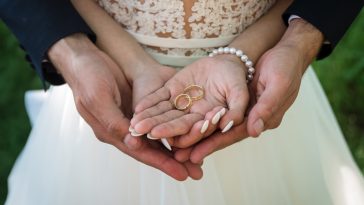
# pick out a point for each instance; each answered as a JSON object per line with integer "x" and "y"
{"x": 268, "y": 102}
{"x": 237, "y": 102}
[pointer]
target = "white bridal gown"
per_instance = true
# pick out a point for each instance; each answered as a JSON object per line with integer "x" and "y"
{"x": 305, "y": 161}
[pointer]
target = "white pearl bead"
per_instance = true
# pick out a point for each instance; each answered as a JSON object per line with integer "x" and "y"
{"x": 211, "y": 55}
{"x": 249, "y": 63}
{"x": 220, "y": 50}
{"x": 251, "y": 70}
{"x": 250, "y": 77}
{"x": 232, "y": 50}
{"x": 215, "y": 51}
{"x": 239, "y": 53}
{"x": 244, "y": 58}
{"x": 226, "y": 50}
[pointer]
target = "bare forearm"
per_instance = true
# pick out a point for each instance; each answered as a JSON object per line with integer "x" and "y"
{"x": 66, "y": 51}
{"x": 263, "y": 34}
{"x": 113, "y": 39}
{"x": 304, "y": 38}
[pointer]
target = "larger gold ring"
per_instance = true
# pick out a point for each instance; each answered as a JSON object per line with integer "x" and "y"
{"x": 195, "y": 87}
{"x": 178, "y": 98}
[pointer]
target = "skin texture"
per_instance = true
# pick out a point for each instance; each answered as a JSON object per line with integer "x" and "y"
{"x": 226, "y": 74}
{"x": 274, "y": 89}
{"x": 223, "y": 88}
{"x": 121, "y": 69}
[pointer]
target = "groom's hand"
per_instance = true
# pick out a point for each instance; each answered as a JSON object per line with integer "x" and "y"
{"x": 279, "y": 74}
{"x": 103, "y": 98}
{"x": 275, "y": 87}
{"x": 96, "y": 85}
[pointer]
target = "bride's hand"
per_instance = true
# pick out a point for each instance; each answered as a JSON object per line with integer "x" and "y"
{"x": 226, "y": 98}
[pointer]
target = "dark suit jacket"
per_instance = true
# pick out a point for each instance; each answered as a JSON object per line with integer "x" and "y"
{"x": 331, "y": 17}
{"x": 38, "y": 24}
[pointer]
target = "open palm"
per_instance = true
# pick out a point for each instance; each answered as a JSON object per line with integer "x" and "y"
{"x": 225, "y": 86}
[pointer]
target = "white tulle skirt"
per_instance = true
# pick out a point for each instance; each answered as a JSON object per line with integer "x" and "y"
{"x": 305, "y": 161}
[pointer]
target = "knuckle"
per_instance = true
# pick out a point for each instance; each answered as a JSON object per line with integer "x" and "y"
{"x": 112, "y": 128}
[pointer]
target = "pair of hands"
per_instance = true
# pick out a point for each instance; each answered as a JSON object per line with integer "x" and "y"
{"x": 225, "y": 104}
{"x": 105, "y": 99}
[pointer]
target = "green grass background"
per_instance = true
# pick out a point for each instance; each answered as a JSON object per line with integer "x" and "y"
{"x": 342, "y": 76}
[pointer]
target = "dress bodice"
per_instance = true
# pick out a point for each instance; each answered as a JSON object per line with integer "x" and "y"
{"x": 178, "y": 31}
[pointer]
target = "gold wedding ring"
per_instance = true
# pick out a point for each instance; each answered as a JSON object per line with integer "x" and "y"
{"x": 180, "y": 97}
{"x": 190, "y": 91}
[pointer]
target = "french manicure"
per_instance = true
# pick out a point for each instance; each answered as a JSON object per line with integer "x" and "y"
{"x": 222, "y": 111}
{"x": 166, "y": 144}
{"x": 131, "y": 129}
{"x": 135, "y": 134}
{"x": 216, "y": 118}
{"x": 204, "y": 126}
{"x": 259, "y": 126}
{"x": 149, "y": 136}
{"x": 228, "y": 126}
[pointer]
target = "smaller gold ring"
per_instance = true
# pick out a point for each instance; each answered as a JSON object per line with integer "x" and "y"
{"x": 199, "y": 88}
{"x": 183, "y": 96}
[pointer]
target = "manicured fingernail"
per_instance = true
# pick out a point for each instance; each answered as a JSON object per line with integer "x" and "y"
{"x": 216, "y": 118}
{"x": 222, "y": 111}
{"x": 135, "y": 134}
{"x": 228, "y": 126}
{"x": 204, "y": 126}
{"x": 259, "y": 126}
{"x": 131, "y": 129}
{"x": 149, "y": 136}
{"x": 166, "y": 144}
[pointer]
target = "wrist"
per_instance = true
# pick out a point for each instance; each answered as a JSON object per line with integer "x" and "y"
{"x": 304, "y": 38}
{"x": 63, "y": 53}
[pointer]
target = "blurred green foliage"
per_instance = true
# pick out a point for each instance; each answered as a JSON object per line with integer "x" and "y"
{"x": 342, "y": 76}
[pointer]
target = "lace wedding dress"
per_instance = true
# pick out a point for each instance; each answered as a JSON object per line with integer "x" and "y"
{"x": 304, "y": 161}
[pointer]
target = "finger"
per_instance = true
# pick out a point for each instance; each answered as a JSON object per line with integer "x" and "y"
{"x": 201, "y": 128}
{"x": 153, "y": 99}
{"x": 158, "y": 109}
{"x": 271, "y": 99}
{"x": 193, "y": 136}
{"x": 218, "y": 141}
{"x": 277, "y": 118}
{"x": 194, "y": 170}
{"x": 107, "y": 135}
{"x": 214, "y": 117}
{"x": 183, "y": 155}
{"x": 237, "y": 101}
{"x": 176, "y": 127}
{"x": 146, "y": 125}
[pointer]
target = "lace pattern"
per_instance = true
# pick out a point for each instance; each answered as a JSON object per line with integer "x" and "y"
{"x": 178, "y": 19}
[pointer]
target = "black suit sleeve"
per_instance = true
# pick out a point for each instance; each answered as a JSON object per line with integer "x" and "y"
{"x": 332, "y": 18}
{"x": 38, "y": 24}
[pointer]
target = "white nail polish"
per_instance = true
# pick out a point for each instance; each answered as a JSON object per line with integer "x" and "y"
{"x": 216, "y": 118}
{"x": 166, "y": 144}
{"x": 135, "y": 134}
{"x": 149, "y": 136}
{"x": 204, "y": 126}
{"x": 223, "y": 111}
{"x": 131, "y": 129}
{"x": 228, "y": 127}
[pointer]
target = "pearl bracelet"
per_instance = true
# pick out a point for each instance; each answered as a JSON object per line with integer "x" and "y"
{"x": 239, "y": 53}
